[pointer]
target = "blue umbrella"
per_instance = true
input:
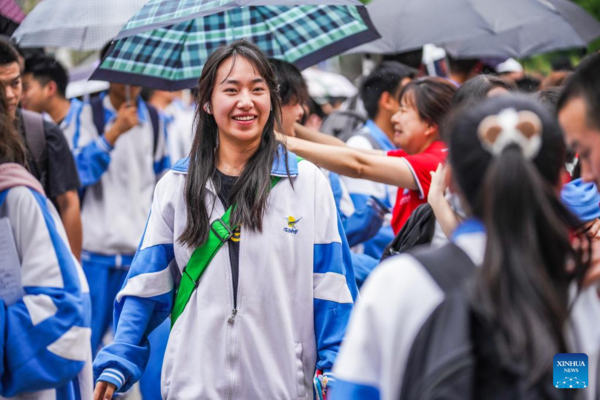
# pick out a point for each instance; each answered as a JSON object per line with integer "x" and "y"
{"x": 166, "y": 44}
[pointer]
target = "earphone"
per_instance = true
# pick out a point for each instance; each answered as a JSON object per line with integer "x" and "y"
{"x": 207, "y": 108}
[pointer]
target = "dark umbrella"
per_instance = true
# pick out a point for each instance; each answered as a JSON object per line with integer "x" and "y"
{"x": 575, "y": 28}
{"x": 165, "y": 45}
{"x": 497, "y": 27}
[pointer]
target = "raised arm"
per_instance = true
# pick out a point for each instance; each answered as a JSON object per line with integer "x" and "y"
{"x": 355, "y": 163}
{"x": 311, "y": 135}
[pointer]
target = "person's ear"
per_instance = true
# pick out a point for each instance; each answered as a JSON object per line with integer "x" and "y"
{"x": 207, "y": 108}
{"x": 51, "y": 89}
{"x": 432, "y": 129}
{"x": 388, "y": 102}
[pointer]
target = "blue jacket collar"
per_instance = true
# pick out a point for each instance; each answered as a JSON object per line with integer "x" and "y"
{"x": 470, "y": 225}
{"x": 380, "y": 137}
{"x": 278, "y": 168}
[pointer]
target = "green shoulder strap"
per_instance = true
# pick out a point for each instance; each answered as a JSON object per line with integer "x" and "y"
{"x": 220, "y": 232}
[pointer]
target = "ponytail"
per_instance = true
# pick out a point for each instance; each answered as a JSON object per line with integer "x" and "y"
{"x": 521, "y": 291}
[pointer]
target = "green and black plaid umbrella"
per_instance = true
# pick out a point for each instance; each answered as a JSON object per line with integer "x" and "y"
{"x": 165, "y": 45}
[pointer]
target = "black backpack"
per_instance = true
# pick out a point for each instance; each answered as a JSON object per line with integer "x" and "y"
{"x": 417, "y": 231}
{"x": 453, "y": 356}
{"x": 440, "y": 362}
{"x": 344, "y": 123}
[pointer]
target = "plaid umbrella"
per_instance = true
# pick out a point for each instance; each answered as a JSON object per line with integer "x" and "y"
{"x": 166, "y": 44}
{"x": 76, "y": 24}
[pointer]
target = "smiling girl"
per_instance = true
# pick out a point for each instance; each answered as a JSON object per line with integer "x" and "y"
{"x": 271, "y": 308}
{"x": 424, "y": 104}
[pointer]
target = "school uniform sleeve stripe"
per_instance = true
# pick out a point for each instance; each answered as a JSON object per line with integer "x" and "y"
{"x": 92, "y": 161}
{"x": 334, "y": 284}
{"x": 331, "y": 286}
{"x": 37, "y": 327}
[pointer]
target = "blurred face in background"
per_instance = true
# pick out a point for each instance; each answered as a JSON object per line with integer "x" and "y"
{"x": 35, "y": 95}
{"x": 10, "y": 77}
{"x": 290, "y": 114}
{"x": 582, "y": 138}
{"x": 119, "y": 90}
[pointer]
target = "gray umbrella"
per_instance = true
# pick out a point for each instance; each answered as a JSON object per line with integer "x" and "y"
{"x": 76, "y": 24}
{"x": 576, "y": 28}
{"x": 410, "y": 24}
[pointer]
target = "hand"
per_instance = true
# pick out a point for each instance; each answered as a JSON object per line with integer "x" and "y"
{"x": 104, "y": 391}
{"x": 437, "y": 186}
{"x": 127, "y": 118}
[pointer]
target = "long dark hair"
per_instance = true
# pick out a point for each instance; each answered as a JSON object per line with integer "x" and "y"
{"x": 521, "y": 291}
{"x": 12, "y": 149}
{"x": 252, "y": 187}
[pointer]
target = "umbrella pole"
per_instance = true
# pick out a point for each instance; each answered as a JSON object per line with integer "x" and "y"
{"x": 127, "y": 95}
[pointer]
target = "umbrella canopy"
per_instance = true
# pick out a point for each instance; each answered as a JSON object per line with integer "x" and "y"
{"x": 76, "y": 24}
{"x": 11, "y": 10}
{"x": 184, "y": 33}
{"x": 410, "y": 24}
{"x": 574, "y": 28}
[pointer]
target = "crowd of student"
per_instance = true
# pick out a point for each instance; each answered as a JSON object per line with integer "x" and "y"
{"x": 227, "y": 263}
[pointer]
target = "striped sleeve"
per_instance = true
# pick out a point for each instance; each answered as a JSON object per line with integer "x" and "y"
{"x": 334, "y": 285}
{"x": 146, "y": 298}
{"x": 46, "y": 334}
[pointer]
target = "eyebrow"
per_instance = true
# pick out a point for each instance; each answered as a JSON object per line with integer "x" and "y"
{"x": 235, "y": 82}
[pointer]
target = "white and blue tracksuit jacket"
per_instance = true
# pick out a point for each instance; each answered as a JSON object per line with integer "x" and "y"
{"x": 295, "y": 293}
{"x": 359, "y": 225}
{"x": 118, "y": 181}
{"x": 45, "y": 336}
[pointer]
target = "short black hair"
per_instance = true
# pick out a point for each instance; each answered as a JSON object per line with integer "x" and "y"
{"x": 8, "y": 53}
{"x": 291, "y": 83}
{"x": 528, "y": 84}
{"x": 462, "y": 65}
{"x": 585, "y": 83}
{"x": 46, "y": 69}
{"x": 549, "y": 98}
{"x": 385, "y": 78}
{"x": 476, "y": 89}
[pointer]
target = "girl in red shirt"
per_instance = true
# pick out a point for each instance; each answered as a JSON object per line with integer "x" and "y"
{"x": 424, "y": 104}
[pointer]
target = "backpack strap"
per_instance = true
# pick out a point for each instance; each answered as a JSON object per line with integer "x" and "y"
{"x": 369, "y": 137}
{"x": 33, "y": 125}
{"x": 155, "y": 129}
{"x": 98, "y": 114}
{"x": 220, "y": 232}
{"x": 449, "y": 265}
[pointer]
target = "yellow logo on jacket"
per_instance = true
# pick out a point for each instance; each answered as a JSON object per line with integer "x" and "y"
{"x": 291, "y": 225}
